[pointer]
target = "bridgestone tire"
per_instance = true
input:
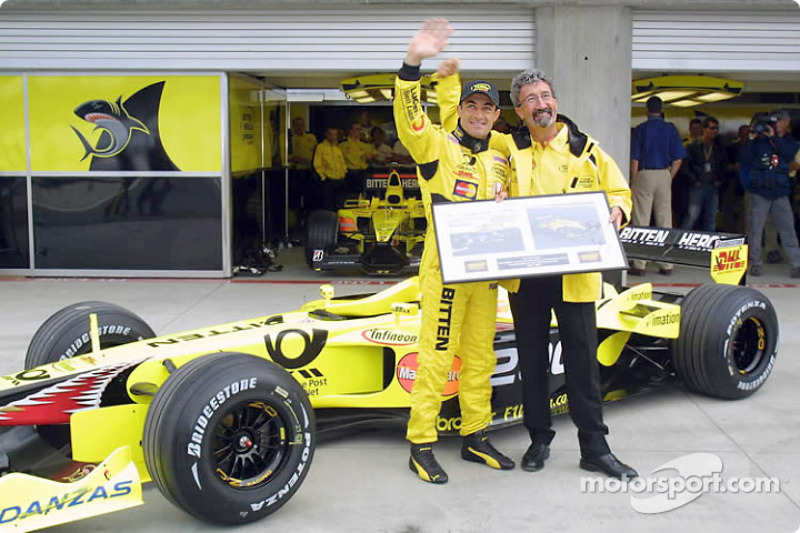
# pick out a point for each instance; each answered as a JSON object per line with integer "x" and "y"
{"x": 66, "y": 333}
{"x": 229, "y": 438}
{"x": 728, "y": 341}
{"x": 322, "y": 232}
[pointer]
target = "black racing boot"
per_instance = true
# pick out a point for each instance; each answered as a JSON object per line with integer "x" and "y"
{"x": 476, "y": 448}
{"x": 424, "y": 464}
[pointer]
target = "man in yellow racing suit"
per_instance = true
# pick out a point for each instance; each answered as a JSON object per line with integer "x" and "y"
{"x": 453, "y": 167}
{"x": 550, "y": 155}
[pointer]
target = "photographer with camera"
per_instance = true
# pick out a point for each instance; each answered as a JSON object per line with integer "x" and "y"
{"x": 765, "y": 164}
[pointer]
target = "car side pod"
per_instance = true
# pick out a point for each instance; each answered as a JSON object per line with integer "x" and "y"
{"x": 29, "y": 503}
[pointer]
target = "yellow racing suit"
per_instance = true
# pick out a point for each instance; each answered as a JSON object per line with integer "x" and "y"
{"x": 459, "y": 318}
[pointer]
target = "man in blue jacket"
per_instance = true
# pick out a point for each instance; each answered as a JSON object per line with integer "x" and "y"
{"x": 766, "y": 160}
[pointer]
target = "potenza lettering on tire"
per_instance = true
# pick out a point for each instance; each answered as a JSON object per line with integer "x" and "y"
{"x": 229, "y": 437}
{"x": 728, "y": 341}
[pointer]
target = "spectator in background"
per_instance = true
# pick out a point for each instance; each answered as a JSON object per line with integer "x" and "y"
{"x": 330, "y": 168}
{"x": 733, "y": 197}
{"x": 302, "y": 147}
{"x": 695, "y": 132}
{"x": 705, "y": 167}
{"x": 402, "y": 156}
{"x": 682, "y": 182}
{"x": 357, "y": 157}
{"x": 656, "y": 156}
{"x": 501, "y": 125}
{"x": 782, "y": 119}
{"x": 383, "y": 152}
{"x": 765, "y": 163}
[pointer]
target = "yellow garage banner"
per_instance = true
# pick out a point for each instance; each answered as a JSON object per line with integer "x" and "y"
{"x": 245, "y": 125}
{"x": 125, "y": 123}
{"x": 12, "y": 124}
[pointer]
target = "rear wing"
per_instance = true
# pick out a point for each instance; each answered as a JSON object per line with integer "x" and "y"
{"x": 724, "y": 254}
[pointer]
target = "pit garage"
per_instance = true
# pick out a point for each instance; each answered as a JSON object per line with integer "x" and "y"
{"x": 148, "y": 141}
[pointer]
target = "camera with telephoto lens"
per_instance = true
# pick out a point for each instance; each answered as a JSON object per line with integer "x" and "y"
{"x": 761, "y": 123}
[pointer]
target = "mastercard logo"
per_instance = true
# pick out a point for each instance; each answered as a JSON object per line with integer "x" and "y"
{"x": 465, "y": 189}
{"x": 407, "y": 373}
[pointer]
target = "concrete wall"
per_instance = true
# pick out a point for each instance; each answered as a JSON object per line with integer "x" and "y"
{"x": 587, "y": 52}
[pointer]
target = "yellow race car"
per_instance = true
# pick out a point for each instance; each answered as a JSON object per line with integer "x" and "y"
{"x": 225, "y": 419}
{"x": 381, "y": 232}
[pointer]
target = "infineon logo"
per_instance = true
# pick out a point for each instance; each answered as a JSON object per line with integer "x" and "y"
{"x": 389, "y": 337}
{"x": 407, "y": 373}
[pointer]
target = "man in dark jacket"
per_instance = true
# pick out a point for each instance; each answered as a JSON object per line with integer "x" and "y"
{"x": 766, "y": 160}
{"x": 705, "y": 166}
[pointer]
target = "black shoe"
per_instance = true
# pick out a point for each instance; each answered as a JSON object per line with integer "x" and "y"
{"x": 424, "y": 464}
{"x": 534, "y": 458}
{"x": 609, "y": 465}
{"x": 477, "y": 448}
{"x": 635, "y": 271}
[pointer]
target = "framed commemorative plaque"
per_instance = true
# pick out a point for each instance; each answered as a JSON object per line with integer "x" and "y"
{"x": 522, "y": 237}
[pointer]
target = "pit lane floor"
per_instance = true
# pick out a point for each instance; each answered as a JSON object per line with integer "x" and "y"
{"x": 361, "y": 482}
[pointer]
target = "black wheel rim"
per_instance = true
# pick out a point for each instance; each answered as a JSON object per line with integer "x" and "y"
{"x": 749, "y": 345}
{"x": 251, "y": 442}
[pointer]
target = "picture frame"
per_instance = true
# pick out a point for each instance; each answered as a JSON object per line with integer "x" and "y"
{"x": 524, "y": 237}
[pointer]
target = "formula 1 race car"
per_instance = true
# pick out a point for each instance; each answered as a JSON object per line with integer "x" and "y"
{"x": 225, "y": 419}
{"x": 382, "y": 232}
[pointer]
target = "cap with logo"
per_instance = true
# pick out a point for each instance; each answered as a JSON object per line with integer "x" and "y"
{"x": 481, "y": 87}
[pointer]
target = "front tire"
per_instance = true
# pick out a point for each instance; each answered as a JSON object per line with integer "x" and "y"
{"x": 322, "y": 233}
{"x": 229, "y": 438}
{"x": 728, "y": 341}
{"x": 66, "y": 333}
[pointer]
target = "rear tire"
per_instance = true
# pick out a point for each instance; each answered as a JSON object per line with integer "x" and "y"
{"x": 322, "y": 232}
{"x": 66, "y": 333}
{"x": 728, "y": 341}
{"x": 229, "y": 438}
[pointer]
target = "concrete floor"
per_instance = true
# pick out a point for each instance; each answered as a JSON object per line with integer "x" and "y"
{"x": 361, "y": 483}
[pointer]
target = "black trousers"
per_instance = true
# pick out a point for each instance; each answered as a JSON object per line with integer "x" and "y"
{"x": 578, "y": 330}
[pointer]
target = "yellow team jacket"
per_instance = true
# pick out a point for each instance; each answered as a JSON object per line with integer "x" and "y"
{"x": 452, "y": 167}
{"x": 329, "y": 162}
{"x": 572, "y": 162}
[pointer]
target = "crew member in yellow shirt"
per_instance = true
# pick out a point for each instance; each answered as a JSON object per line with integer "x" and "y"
{"x": 357, "y": 156}
{"x": 330, "y": 168}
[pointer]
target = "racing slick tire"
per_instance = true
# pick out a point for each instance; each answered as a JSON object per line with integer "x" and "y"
{"x": 728, "y": 341}
{"x": 322, "y": 232}
{"x": 66, "y": 333}
{"x": 229, "y": 438}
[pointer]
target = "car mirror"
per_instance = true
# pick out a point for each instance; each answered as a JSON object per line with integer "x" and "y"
{"x": 404, "y": 309}
{"x": 327, "y": 292}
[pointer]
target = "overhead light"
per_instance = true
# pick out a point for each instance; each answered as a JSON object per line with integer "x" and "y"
{"x": 685, "y": 91}
{"x": 380, "y": 88}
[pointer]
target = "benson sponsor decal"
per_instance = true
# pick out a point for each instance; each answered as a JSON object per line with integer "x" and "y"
{"x": 389, "y": 337}
{"x": 407, "y": 374}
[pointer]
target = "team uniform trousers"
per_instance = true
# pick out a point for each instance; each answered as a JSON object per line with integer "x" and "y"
{"x": 652, "y": 196}
{"x": 577, "y": 324}
{"x": 456, "y": 320}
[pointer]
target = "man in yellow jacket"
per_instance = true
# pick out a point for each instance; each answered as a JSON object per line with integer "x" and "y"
{"x": 329, "y": 165}
{"x": 550, "y": 155}
{"x": 453, "y": 167}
